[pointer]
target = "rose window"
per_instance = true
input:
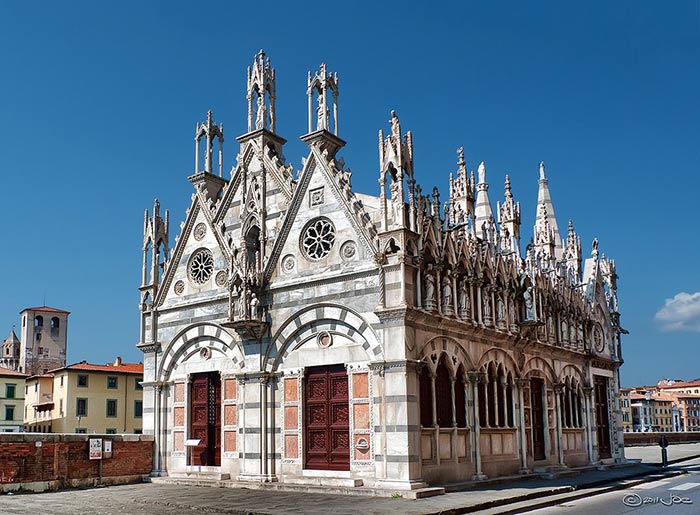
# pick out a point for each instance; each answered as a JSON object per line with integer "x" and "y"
{"x": 318, "y": 239}
{"x": 201, "y": 266}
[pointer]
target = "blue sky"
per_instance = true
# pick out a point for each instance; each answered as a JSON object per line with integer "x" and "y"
{"x": 98, "y": 105}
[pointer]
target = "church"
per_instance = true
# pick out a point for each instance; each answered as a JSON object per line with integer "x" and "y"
{"x": 301, "y": 332}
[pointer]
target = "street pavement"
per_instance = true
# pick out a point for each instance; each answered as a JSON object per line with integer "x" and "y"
{"x": 679, "y": 495}
{"x": 652, "y": 453}
{"x": 171, "y": 499}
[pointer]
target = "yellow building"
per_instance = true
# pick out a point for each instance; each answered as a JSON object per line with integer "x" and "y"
{"x": 87, "y": 398}
{"x": 626, "y": 409}
{"x": 663, "y": 413}
{"x": 11, "y": 400}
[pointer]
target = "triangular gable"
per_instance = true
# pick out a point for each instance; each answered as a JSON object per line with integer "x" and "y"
{"x": 344, "y": 196}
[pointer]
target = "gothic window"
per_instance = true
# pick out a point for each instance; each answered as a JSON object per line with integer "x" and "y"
{"x": 426, "y": 398}
{"x": 461, "y": 399}
{"x": 496, "y": 398}
{"x": 443, "y": 394}
{"x": 317, "y": 239}
{"x": 201, "y": 266}
{"x": 252, "y": 246}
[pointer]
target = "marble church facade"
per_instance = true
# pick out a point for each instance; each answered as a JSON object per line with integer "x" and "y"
{"x": 299, "y": 331}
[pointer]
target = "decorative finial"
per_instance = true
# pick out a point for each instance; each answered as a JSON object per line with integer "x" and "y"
{"x": 571, "y": 227}
{"x": 594, "y": 249}
{"x": 460, "y": 158}
{"x": 542, "y": 170}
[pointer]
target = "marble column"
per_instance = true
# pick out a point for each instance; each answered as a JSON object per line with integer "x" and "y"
{"x": 522, "y": 384}
{"x": 475, "y": 378}
{"x": 558, "y": 391}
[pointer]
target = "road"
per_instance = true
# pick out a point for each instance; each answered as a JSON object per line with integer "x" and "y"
{"x": 679, "y": 495}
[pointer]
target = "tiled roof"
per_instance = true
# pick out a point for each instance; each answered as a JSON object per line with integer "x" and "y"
{"x": 12, "y": 338}
{"x": 681, "y": 384}
{"x": 124, "y": 368}
{"x": 47, "y": 309}
{"x": 10, "y": 372}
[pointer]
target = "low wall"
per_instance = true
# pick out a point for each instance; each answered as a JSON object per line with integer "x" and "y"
{"x": 38, "y": 462}
{"x": 653, "y": 438}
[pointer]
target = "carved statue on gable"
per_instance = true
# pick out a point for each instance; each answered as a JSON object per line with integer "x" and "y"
{"x": 511, "y": 316}
{"x": 254, "y": 307}
{"x": 396, "y": 201}
{"x": 564, "y": 331}
{"x": 261, "y": 115}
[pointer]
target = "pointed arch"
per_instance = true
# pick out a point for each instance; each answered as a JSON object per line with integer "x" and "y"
{"x": 499, "y": 356}
{"x": 433, "y": 349}
{"x": 541, "y": 365}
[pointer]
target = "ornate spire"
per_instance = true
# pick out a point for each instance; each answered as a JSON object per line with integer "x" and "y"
{"x": 461, "y": 201}
{"x": 261, "y": 92}
{"x": 483, "y": 212}
{"x": 396, "y": 161}
{"x": 509, "y": 221}
{"x": 572, "y": 256}
{"x": 543, "y": 197}
{"x": 209, "y": 131}
{"x": 321, "y": 82}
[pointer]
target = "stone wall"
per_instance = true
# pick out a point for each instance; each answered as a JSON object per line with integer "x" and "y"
{"x": 38, "y": 462}
{"x": 653, "y": 438}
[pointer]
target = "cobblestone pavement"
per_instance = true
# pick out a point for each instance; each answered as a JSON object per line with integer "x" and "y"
{"x": 168, "y": 499}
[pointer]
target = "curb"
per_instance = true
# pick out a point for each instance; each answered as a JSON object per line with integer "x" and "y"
{"x": 553, "y": 497}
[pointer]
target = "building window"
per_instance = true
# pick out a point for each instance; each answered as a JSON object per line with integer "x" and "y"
{"x": 9, "y": 412}
{"x": 10, "y": 391}
{"x": 461, "y": 399}
{"x": 39, "y": 321}
{"x": 83, "y": 380}
{"x": 318, "y": 238}
{"x": 111, "y": 407}
{"x": 426, "y": 397}
{"x": 138, "y": 431}
{"x": 111, "y": 431}
{"x": 60, "y": 407}
{"x": 443, "y": 394}
{"x": 55, "y": 324}
{"x": 138, "y": 409}
{"x": 61, "y": 381}
{"x": 111, "y": 381}
{"x": 138, "y": 383}
{"x": 81, "y": 430}
{"x": 81, "y": 407}
{"x": 496, "y": 397}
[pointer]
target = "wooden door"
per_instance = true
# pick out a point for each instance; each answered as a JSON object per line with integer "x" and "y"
{"x": 327, "y": 420}
{"x": 537, "y": 418}
{"x": 600, "y": 385}
{"x": 205, "y": 418}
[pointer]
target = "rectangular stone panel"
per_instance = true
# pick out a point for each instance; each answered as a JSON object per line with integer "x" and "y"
{"x": 179, "y": 392}
{"x": 361, "y": 416}
{"x": 291, "y": 417}
{"x": 445, "y": 446}
{"x": 426, "y": 446}
{"x": 230, "y": 389}
{"x": 291, "y": 392}
{"x": 230, "y": 415}
{"x": 360, "y": 386}
{"x": 362, "y": 447}
{"x": 291, "y": 446}
{"x": 229, "y": 441}
{"x": 178, "y": 440}
{"x": 179, "y": 416}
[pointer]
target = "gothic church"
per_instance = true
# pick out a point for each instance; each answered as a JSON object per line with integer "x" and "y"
{"x": 301, "y": 332}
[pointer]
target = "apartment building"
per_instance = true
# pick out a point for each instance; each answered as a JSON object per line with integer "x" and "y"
{"x": 11, "y": 400}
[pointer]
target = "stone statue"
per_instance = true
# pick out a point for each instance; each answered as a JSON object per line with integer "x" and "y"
{"x": 482, "y": 173}
{"x": 395, "y": 128}
{"x": 564, "y": 331}
{"x": 429, "y": 291}
{"x": 500, "y": 309}
{"x": 261, "y": 115}
{"x": 487, "y": 306}
{"x": 254, "y": 305}
{"x": 321, "y": 113}
{"x": 446, "y": 295}
{"x": 529, "y": 304}
{"x": 464, "y": 299}
{"x": 396, "y": 201}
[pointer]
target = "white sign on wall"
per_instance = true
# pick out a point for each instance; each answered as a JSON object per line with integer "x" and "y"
{"x": 95, "y": 448}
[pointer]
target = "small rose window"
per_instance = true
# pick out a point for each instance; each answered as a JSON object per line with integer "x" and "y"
{"x": 318, "y": 238}
{"x": 201, "y": 266}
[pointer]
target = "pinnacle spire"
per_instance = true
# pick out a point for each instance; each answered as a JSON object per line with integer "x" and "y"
{"x": 483, "y": 212}
{"x": 544, "y": 198}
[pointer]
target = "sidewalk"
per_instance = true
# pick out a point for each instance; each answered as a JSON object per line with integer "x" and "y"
{"x": 651, "y": 454}
{"x": 172, "y": 499}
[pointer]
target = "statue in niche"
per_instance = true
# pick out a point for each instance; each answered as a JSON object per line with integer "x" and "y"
{"x": 396, "y": 201}
{"x": 550, "y": 329}
{"x": 464, "y": 302}
{"x": 487, "y": 305}
{"x": 446, "y": 296}
{"x": 500, "y": 311}
{"x": 254, "y": 306}
{"x": 261, "y": 115}
{"x": 529, "y": 304}
{"x": 429, "y": 291}
{"x": 322, "y": 113}
{"x": 511, "y": 315}
{"x": 564, "y": 331}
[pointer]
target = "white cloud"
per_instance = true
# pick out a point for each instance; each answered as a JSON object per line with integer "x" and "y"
{"x": 681, "y": 313}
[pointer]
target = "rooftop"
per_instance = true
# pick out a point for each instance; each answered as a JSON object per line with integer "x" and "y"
{"x": 46, "y": 309}
{"x": 10, "y": 372}
{"x": 117, "y": 366}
